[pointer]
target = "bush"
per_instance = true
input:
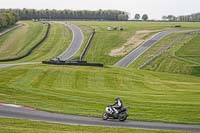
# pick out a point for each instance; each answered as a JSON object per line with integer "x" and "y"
{"x": 177, "y": 26}
{"x": 7, "y": 19}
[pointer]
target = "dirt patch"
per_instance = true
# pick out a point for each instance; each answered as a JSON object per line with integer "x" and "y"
{"x": 132, "y": 43}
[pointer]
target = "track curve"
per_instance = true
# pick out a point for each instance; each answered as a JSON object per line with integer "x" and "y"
{"x": 20, "y": 112}
{"x": 76, "y": 43}
{"x": 136, "y": 53}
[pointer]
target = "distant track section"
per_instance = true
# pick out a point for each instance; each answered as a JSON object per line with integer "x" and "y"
{"x": 10, "y": 29}
{"x": 132, "y": 56}
{"x": 18, "y": 64}
{"x": 33, "y": 48}
{"x": 75, "y": 44}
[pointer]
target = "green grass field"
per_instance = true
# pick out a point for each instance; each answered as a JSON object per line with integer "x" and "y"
{"x": 19, "y": 41}
{"x": 183, "y": 57}
{"x": 105, "y": 41}
{"x": 86, "y": 91}
{"x": 191, "y": 50}
{"x": 151, "y": 95}
{"x": 57, "y": 42}
{"x": 155, "y": 49}
{"x": 18, "y": 126}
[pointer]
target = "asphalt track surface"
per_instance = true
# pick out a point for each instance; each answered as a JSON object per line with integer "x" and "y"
{"x": 20, "y": 112}
{"x": 11, "y": 29}
{"x": 74, "y": 46}
{"x": 76, "y": 43}
{"x": 135, "y": 54}
{"x": 18, "y": 64}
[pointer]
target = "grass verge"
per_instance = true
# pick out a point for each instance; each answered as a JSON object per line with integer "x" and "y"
{"x": 182, "y": 57}
{"x": 25, "y": 126}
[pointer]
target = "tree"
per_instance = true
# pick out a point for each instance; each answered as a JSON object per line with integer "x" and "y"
{"x": 15, "y": 19}
{"x": 145, "y": 17}
{"x": 122, "y": 17}
{"x": 7, "y": 18}
{"x": 171, "y": 17}
{"x": 3, "y": 21}
{"x": 164, "y": 18}
{"x": 185, "y": 18}
{"x": 28, "y": 14}
{"x": 137, "y": 16}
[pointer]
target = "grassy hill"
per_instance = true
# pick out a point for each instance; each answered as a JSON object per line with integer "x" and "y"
{"x": 191, "y": 50}
{"x": 19, "y": 41}
{"x": 151, "y": 96}
{"x": 18, "y": 126}
{"x": 183, "y": 57}
{"x": 58, "y": 41}
{"x": 105, "y": 41}
{"x": 86, "y": 91}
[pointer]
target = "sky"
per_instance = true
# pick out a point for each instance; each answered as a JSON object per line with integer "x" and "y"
{"x": 154, "y": 8}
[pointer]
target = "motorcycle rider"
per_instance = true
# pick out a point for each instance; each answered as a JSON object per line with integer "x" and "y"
{"x": 119, "y": 106}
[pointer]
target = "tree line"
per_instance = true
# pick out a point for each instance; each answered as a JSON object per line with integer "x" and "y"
{"x": 144, "y": 17}
{"x": 7, "y": 19}
{"x": 184, "y": 18}
{"x": 28, "y": 14}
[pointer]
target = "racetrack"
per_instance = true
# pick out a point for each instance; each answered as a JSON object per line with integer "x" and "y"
{"x": 16, "y": 111}
{"x": 75, "y": 45}
{"x": 20, "y": 112}
{"x": 132, "y": 56}
{"x": 11, "y": 29}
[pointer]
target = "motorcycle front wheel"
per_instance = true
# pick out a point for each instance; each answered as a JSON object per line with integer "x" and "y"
{"x": 123, "y": 116}
{"x": 105, "y": 116}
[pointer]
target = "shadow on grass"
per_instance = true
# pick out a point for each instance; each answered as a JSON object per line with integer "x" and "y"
{"x": 196, "y": 70}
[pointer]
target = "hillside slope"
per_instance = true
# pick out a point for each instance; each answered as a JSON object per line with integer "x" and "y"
{"x": 57, "y": 42}
{"x": 183, "y": 57}
{"x": 105, "y": 42}
{"x": 86, "y": 91}
{"x": 20, "y": 40}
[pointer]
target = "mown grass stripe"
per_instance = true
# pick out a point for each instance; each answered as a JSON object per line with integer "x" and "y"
{"x": 31, "y": 50}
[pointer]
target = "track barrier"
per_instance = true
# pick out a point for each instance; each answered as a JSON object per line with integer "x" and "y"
{"x": 33, "y": 48}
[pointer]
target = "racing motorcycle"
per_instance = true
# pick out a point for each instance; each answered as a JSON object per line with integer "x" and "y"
{"x": 110, "y": 114}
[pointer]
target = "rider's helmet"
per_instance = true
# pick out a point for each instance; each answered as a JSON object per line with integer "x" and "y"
{"x": 117, "y": 98}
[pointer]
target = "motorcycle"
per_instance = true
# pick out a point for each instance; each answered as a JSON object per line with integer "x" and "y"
{"x": 110, "y": 114}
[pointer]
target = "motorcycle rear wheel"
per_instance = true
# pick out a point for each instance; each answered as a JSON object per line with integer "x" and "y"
{"x": 123, "y": 116}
